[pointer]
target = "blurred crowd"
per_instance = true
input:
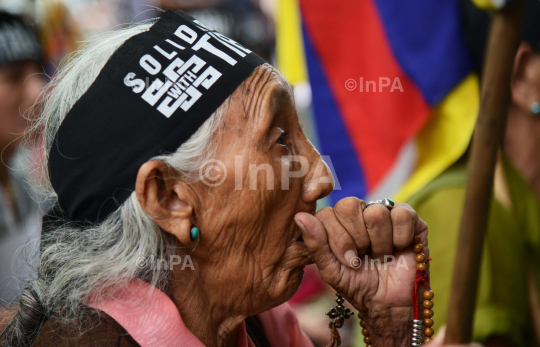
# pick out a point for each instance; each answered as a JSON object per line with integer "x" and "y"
{"x": 35, "y": 35}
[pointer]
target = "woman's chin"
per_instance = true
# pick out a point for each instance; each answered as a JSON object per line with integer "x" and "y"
{"x": 295, "y": 280}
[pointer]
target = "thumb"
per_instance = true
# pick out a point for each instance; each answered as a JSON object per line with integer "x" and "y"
{"x": 439, "y": 338}
{"x": 316, "y": 242}
{"x": 438, "y": 341}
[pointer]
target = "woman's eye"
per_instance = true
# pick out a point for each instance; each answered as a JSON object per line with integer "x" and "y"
{"x": 281, "y": 140}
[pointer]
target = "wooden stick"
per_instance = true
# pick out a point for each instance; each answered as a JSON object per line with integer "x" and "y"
{"x": 534, "y": 303}
{"x": 495, "y": 99}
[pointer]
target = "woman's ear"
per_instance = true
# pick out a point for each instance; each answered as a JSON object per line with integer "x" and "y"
{"x": 164, "y": 198}
{"x": 526, "y": 77}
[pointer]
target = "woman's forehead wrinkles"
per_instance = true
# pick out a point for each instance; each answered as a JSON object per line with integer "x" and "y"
{"x": 250, "y": 89}
{"x": 258, "y": 91}
{"x": 262, "y": 94}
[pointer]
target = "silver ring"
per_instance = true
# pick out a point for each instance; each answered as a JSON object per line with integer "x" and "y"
{"x": 388, "y": 203}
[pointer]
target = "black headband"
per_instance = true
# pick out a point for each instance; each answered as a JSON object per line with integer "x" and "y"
{"x": 151, "y": 96}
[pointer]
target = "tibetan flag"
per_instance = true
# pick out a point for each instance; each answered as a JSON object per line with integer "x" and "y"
{"x": 395, "y": 99}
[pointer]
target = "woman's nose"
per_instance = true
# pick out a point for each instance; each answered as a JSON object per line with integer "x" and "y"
{"x": 319, "y": 180}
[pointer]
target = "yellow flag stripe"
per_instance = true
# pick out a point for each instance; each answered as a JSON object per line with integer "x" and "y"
{"x": 446, "y": 136}
{"x": 290, "y": 56}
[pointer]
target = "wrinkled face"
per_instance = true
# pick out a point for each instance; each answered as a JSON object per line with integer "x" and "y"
{"x": 20, "y": 84}
{"x": 250, "y": 244}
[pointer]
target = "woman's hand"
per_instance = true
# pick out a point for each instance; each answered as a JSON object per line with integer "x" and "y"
{"x": 366, "y": 255}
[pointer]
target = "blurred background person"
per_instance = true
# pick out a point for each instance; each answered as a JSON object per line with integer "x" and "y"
{"x": 21, "y": 80}
{"x": 507, "y": 312}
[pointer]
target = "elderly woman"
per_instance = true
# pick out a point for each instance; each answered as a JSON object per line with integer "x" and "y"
{"x": 187, "y": 205}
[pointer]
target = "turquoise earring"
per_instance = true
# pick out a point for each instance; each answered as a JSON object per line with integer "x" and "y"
{"x": 535, "y": 107}
{"x": 194, "y": 233}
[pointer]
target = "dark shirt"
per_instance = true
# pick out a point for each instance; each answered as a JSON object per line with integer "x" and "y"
{"x": 106, "y": 332}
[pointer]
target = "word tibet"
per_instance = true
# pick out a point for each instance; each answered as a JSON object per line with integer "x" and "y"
{"x": 184, "y": 82}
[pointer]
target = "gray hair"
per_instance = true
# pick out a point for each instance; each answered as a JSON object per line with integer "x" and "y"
{"x": 75, "y": 262}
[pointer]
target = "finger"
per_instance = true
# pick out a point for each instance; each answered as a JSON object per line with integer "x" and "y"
{"x": 379, "y": 228}
{"x": 423, "y": 236}
{"x": 349, "y": 213}
{"x": 316, "y": 241}
{"x": 340, "y": 241}
{"x": 421, "y": 230}
{"x": 404, "y": 220}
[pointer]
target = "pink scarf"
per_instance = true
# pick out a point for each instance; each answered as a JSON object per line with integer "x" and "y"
{"x": 155, "y": 321}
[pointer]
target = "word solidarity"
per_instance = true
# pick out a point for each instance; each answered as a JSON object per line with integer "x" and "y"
{"x": 182, "y": 78}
